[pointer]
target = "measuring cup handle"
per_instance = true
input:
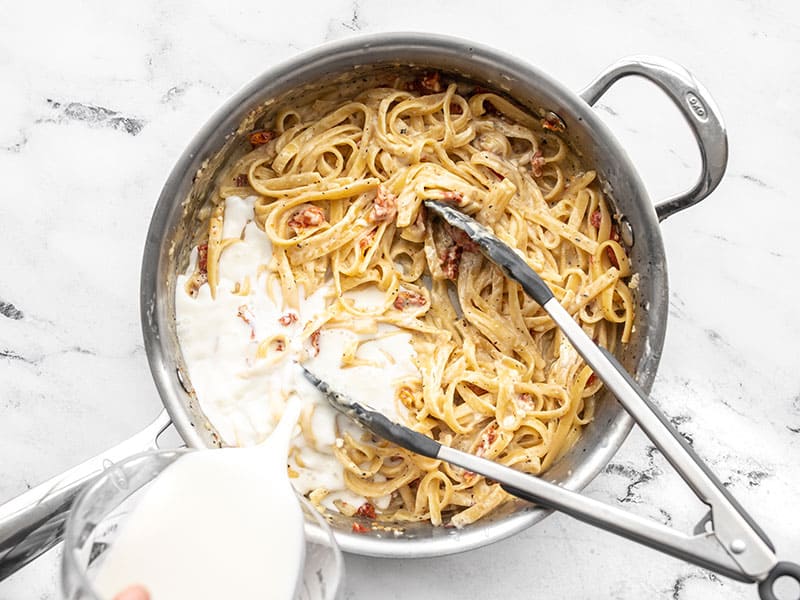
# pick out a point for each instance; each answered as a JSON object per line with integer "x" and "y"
{"x": 782, "y": 569}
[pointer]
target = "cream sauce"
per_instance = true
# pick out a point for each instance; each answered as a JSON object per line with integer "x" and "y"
{"x": 244, "y": 396}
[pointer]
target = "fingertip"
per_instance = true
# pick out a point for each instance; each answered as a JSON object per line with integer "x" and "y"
{"x": 134, "y": 592}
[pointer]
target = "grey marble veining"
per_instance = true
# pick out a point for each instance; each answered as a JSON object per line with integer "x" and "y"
{"x": 99, "y": 99}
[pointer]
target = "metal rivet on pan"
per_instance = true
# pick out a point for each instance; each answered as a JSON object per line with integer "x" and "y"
{"x": 626, "y": 232}
{"x": 738, "y": 546}
{"x": 115, "y": 474}
{"x": 186, "y": 387}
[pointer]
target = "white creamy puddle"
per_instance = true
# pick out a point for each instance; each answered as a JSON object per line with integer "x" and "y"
{"x": 244, "y": 396}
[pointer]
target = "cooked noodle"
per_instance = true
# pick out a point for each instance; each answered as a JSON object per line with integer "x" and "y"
{"x": 340, "y": 184}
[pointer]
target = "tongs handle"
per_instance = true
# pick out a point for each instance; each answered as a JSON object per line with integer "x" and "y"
{"x": 735, "y": 530}
{"x": 700, "y": 549}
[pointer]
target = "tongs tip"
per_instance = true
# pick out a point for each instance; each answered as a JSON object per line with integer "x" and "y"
{"x": 339, "y": 401}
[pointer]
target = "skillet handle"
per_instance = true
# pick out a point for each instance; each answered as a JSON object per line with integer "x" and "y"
{"x": 33, "y": 522}
{"x": 696, "y": 106}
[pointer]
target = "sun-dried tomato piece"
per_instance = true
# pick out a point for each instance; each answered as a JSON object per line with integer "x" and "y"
{"x": 537, "y": 163}
{"x": 359, "y": 528}
{"x": 246, "y": 315}
{"x": 366, "y": 240}
{"x": 366, "y": 510}
{"x": 525, "y": 401}
{"x": 450, "y": 196}
{"x": 428, "y": 83}
{"x": 491, "y": 435}
{"x": 595, "y": 218}
{"x": 310, "y": 216}
{"x": 405, "y": 298}
{"x": 288, "y": 319}
{"x": 432, "y": 82}
{"x": 384, "y": 207}
{"x": 241, "y": 180}
{"x": 612, "y": 256}
{"x": 461, "y": 239}
{"x": 315, "y": 342}
{"x": 488, "y": 438}
{"x": 450, "y": 261}
{"x": 202, "y": 258}
{"x": 261, "y": 137}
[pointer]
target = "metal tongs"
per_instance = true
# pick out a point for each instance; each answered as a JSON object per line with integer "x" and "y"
{"x": 726, "y": 540}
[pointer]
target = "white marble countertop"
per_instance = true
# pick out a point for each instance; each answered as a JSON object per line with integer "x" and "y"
{"x": 98, "y": 101}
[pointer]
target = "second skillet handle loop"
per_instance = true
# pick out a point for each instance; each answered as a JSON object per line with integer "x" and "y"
{"x": 696, "y": 106}
{"x": 33, "y": 522}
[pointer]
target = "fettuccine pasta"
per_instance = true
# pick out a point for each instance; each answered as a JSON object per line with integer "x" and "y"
{"x": 339, "y": 184}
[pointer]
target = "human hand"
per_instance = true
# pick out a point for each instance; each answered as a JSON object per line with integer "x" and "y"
{"x": 134, "y": 592}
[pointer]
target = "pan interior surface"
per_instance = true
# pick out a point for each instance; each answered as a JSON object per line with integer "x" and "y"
{"x": 183, "y": 209}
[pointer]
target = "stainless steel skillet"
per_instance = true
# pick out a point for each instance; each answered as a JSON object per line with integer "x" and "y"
{"x": 33, "y": 522}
